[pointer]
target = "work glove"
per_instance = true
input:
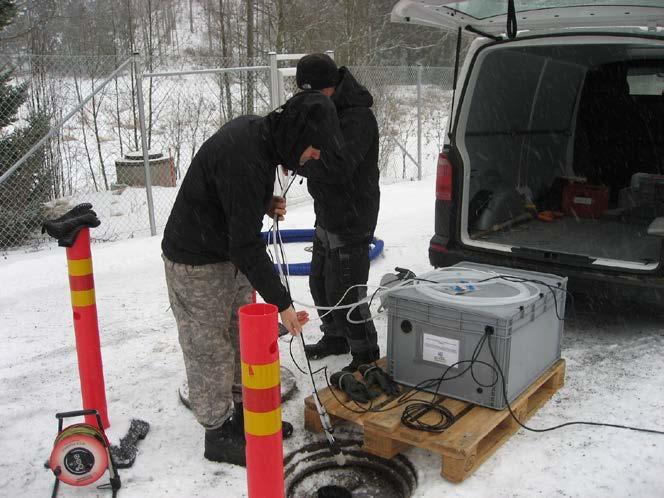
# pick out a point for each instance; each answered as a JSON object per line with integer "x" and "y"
{"x": 376, "y": 376}
{"x": 66, "y": 227}
{"x": 352, "y": 387}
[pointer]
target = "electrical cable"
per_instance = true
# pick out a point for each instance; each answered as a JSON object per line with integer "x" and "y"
{"x": 559, "y": 426}
{"x": 414, "y": 411}
{"x": 417, "y": 408}
{"x": 280, "y": 256}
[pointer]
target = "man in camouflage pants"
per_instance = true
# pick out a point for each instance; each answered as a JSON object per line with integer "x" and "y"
{"x": 214, "y": 254}
{"x": 206, "y": 348}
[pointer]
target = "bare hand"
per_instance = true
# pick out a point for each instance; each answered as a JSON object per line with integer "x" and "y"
{"x": 302, "y": 317}
{"x": 309, "y": 153}
{"x": 277, "y": 207}
{"x": 293, "y": 321}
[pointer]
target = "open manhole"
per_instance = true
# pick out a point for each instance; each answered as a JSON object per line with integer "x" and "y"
{"x": 288, "y": 387}
{"x": 313, "y": 472}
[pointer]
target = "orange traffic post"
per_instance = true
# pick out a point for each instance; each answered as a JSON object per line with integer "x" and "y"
{"x": 261, "y": 393}
{"x": 86, "y": 327}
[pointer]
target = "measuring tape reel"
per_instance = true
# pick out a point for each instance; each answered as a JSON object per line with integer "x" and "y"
{"x": 81, "y": 453}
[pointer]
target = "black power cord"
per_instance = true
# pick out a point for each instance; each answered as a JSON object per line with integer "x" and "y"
{"x": 416, "y": 408}
{"x": 499, "y": 371}
{"x": 412, "y": 415}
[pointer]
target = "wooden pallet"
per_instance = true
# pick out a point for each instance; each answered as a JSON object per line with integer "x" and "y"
{"x": 476, "y": 434}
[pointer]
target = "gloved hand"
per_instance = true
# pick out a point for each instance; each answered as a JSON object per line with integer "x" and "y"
{"x": 352, "y": 387}
{"x": 376, "y": 376}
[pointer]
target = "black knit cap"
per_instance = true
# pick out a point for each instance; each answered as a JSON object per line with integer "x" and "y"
{"x": 316, "y": 71}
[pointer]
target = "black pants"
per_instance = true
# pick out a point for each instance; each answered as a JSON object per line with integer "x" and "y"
{"x": 333, "y": 271}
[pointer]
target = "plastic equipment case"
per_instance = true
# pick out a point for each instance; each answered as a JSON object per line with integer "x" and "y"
{"x": 585, "y": 201}
{"x": 430, "y": 328}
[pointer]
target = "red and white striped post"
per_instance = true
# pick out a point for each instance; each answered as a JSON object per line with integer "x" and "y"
{"x": 261, "y": 393}
{"x": 86, "y": 327}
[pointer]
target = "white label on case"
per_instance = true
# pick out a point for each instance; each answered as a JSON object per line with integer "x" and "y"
{"x": 440, "y": 350}
{"x": 583, "y": 200}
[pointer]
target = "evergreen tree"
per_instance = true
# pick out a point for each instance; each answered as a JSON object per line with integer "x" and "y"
{"x": 7, "y": 12}
{"x": 23, "y": 193}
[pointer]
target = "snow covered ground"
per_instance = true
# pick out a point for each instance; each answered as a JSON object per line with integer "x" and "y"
{"x": 614, "y": 374}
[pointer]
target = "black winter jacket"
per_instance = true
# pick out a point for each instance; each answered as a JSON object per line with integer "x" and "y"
{"x": 348, "y": 206}
{"x": 218, "y": 212}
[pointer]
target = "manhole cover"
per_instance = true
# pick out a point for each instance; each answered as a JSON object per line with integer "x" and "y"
{"x": 288, "y": 387}
{"x": 312, "y": 472}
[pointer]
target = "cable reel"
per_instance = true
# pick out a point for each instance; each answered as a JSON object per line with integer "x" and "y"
{"x": 81, "y": 453}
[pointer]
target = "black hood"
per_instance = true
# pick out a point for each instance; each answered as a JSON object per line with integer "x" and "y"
{"x": 307, "y": 118}
{"x": 349, "y": 93}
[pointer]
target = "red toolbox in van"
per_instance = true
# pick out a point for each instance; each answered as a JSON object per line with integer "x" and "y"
{"x": 585, "y": 201}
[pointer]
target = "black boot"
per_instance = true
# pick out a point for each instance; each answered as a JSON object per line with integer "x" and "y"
{"x": 362, "y": 358}
{"x": 328, "y": 345}
{"x": 225, "y": 444}
{"x": 238, "y": 422}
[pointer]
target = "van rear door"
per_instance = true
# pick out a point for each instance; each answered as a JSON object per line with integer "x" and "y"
{"x": 490, "y": 17}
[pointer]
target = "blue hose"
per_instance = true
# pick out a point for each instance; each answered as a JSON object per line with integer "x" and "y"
{"x": 307, "y": 235}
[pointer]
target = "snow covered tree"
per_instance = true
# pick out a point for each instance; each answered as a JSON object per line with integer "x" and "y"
{"x": 22, "y": 194}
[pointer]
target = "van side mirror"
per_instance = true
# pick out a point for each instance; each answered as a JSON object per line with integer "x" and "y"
{"x": 656, "y": 228}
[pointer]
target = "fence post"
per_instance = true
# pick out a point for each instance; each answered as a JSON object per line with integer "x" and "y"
{"x": 274, "y": 81}
{"x": 138, "y": 70}
{"x": 419, "y": 121}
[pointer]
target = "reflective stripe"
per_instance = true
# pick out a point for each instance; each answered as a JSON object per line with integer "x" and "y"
{"x": 83, "y": 298}
{"x": 261, "y": 376}
{"x": 85, "y": 282}
{"x": 79, "y": 267}
{"x": 261, "y": 400}
{"x": 262, "y": 424}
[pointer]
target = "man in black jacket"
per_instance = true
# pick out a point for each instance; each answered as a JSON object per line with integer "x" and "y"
{"x": 346, "y": 215}
{"x": 214, "y": 254}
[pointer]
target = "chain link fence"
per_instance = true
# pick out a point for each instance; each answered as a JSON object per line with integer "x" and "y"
{"x": 397, "y": 107}
{"x": 89, "y": 108}
{"x": 64, "y": 121}
{"x": 186, "y": 104}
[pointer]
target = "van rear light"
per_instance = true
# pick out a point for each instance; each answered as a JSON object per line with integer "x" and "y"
{"x": 444, "y": 178}
{"x": 438, "y": 247}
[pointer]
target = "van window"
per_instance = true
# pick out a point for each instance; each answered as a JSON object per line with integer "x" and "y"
{"x": 646, "y": 80}
{"x": 521, "y": 115}
{"x": 564, "y": 148}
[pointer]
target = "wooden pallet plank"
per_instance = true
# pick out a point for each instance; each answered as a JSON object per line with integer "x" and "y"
{"x": 477, "y": 433}
{"x": 457, "y": 469}
{"x": 468, "y": 432}
{"x": 377, "y": 444}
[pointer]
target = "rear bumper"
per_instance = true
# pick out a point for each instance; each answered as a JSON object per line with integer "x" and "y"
{"x": 646, "y": 288}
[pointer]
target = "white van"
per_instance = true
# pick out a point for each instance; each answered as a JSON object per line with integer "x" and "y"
{"x": 554, "y": 159}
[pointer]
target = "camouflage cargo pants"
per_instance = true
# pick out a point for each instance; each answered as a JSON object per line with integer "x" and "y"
{"x": 205, "y": 301}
